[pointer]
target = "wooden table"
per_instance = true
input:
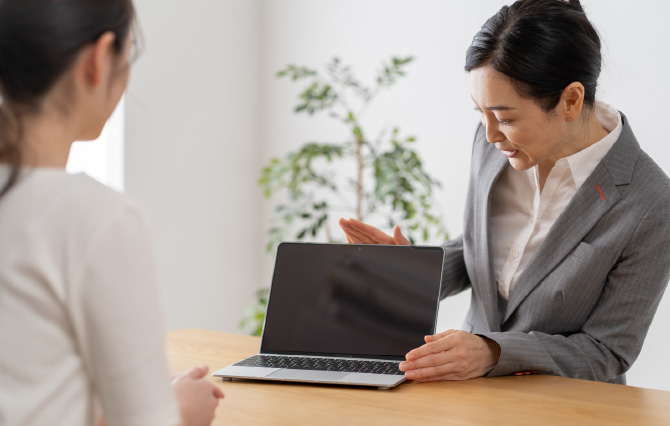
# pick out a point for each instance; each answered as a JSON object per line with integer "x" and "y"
{"x": 517, "y": 400}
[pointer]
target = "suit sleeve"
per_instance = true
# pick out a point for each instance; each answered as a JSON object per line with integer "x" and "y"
{"x": 454, "y": 275}
{"x": 612, "y": 336}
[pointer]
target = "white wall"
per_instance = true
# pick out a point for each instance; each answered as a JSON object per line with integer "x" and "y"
{"x": 102, "y": 159}
{"x": 192, "y": 154}
{"x": 205, "y": 112}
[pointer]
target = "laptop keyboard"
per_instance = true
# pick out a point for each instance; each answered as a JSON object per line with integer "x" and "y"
{"x": 322, "y": 364}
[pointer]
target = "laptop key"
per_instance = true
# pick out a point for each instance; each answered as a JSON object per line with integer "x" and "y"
{"x": 322, "y": 364}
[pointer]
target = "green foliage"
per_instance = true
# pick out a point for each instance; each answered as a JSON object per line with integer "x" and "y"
{"x": 255, "y": 314}
{"x": 389, "y": 186}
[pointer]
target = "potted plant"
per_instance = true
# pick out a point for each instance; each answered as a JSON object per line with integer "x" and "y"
{"x": 387, "y": 184}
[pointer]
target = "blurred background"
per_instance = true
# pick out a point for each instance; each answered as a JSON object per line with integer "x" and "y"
{"x": 204, "y": 113}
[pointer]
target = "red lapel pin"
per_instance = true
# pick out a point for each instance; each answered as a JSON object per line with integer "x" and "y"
{"x": 600, "y": 192}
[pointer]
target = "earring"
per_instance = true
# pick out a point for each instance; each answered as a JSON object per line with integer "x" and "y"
{"x": 570, "y": 119}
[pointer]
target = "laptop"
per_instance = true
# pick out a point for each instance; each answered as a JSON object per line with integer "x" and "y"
{"x": 345, "y": 314}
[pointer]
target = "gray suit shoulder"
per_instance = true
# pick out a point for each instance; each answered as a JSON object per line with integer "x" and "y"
{"x": 649, "y": 178}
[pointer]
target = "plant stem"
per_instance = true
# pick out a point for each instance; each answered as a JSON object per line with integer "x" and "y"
{"x": 329, "y": 237}
{"x": 359, "y": 177}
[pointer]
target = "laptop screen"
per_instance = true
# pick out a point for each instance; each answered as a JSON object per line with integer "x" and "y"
{"x": 354, "y": 300}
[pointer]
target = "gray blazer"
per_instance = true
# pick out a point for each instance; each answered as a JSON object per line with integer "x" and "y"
{"x": 584, "y": 303}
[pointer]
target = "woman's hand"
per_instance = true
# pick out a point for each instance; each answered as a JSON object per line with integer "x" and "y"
{"x": 526, "y": 372}
{"x": 196, "y": 397}
{"x": 451, "y": 355}
{"x": 358, "y": 232}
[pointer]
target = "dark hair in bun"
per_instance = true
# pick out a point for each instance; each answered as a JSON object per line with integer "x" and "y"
{"x": 543, "y": 46}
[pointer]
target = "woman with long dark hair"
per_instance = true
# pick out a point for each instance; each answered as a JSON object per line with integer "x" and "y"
{"x": 566, "y": 242}
{"x": 80, "y": 323}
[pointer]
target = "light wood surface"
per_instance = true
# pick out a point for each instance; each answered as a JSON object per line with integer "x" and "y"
{"x": 518, "y": 400}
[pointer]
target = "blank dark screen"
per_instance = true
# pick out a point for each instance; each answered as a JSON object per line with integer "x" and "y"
{"x": 364, "y": 300}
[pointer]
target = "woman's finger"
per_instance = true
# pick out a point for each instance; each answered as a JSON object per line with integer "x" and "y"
{"x": 525, "y": 372}
{"x": 448, "y": 376}
{"x": 432, "y": 360}
{"x": 431, "y": 372}
{"x": 362, "y": 238}
{"x": 370, "y": 232}
{"x": 364, "y": 234}
{"x": 196, "y": 372}
{"x": 399, "y": 237}
{"x": 439, "y": 335}
{"x": 350, "y": 236}
{"x": 218, "y": 393}
{"x": 356, "y": 235}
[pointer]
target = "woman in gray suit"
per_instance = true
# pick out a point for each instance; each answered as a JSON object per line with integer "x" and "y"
{"x": 566, "y": 242}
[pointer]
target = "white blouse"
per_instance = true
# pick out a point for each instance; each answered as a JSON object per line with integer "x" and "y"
{"x": 81, "y": 326}
{"x": 521, "y": 215}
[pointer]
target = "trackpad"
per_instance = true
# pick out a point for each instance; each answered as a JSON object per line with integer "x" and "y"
{"x": 376, "y": 379}
{"x": 239, "y": 371}
{"x": 307, "y": 375}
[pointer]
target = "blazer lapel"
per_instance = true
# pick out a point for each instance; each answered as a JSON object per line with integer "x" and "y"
{"x": 580, "y": 216}
{"x": 492, "y": 166}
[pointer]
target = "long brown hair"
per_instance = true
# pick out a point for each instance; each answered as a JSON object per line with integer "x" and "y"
{"x": 39, "y": 41}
